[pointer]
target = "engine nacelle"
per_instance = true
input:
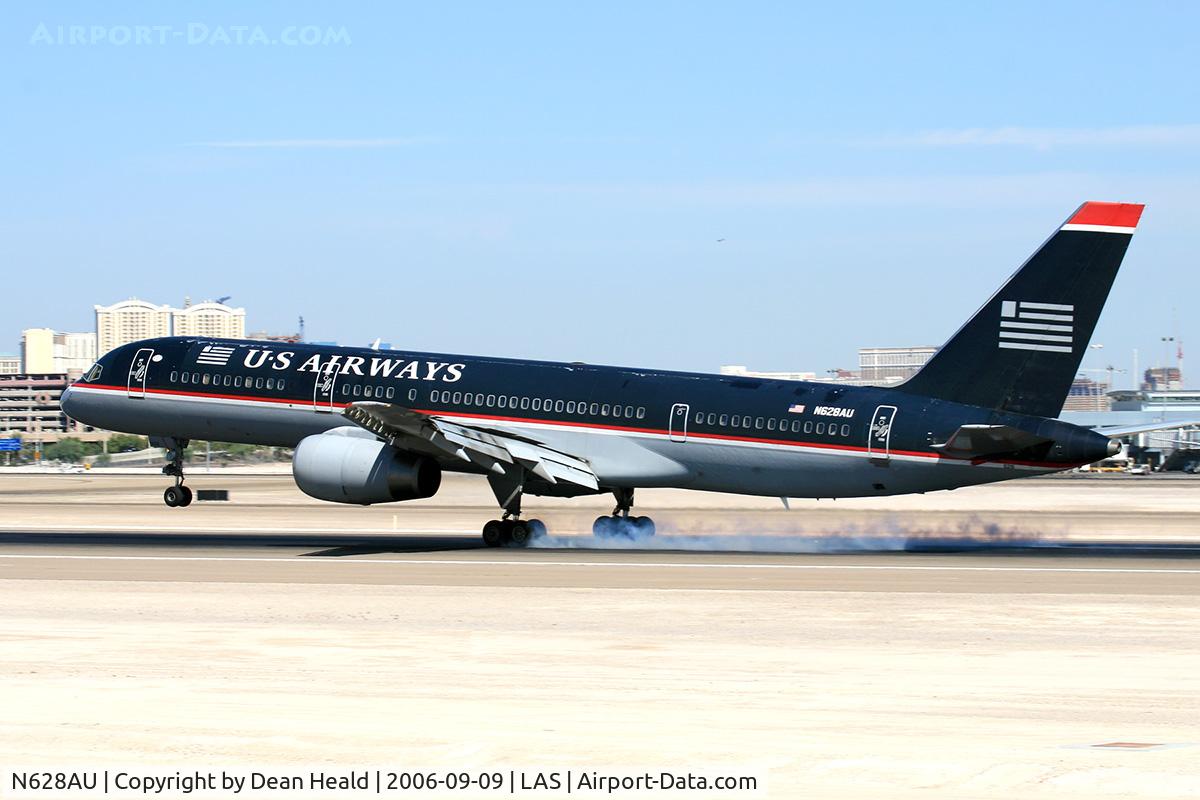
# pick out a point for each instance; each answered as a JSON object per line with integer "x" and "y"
{"x": 354, "y": 469}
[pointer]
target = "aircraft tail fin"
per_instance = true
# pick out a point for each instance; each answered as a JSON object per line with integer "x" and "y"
{"x": 1022, "y": 350}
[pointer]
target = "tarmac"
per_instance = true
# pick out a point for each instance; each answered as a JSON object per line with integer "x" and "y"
{"x": 1039, "y": 638}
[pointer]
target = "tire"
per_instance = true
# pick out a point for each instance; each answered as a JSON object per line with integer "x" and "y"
{"x": 520, "y": 534}
{"x": 643, "y": 527}
{"x": 493, "y": 533}
{"x": 187, "y": 497}
{"x": 172, "y": 496}
{"x": 537, "y": 529}
{"x": 604, "y": 527}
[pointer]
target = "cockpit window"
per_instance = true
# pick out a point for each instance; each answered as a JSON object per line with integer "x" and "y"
{"x": 93, "y": 374}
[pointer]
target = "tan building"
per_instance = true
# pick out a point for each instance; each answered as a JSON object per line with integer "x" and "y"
{"x": 10, "y": 365}
{"x": 128, "y": 321}
{"x": 45, "y": 351}
{"x": 209, "y": 319}
{"x": 29, "y": 406}
{"x": 889, "y": 365}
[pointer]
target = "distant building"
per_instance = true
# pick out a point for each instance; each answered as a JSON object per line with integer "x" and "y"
{"x": 878, "y": 366}
{"x": 1157, "y": 379}
{"x": 10, "y": 365}
{"x": 209, "y": 319}
{"x": 1087, "y": 395}
{"x": 883, "y": 366}
{"x": 129, "y": 321}
{"x": 263, "y": 336}
{"x": 45, "y": 351}
{"x": 29, "y": 406}
{"x": 739, "y": 369}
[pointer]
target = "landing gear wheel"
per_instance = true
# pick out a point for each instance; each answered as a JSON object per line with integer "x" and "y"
{"x": 494, "y": 533}
{"x": 173, "y": 496}
{"x": 604, "y": 527}
{"x": 643, "y": 527}
{"x": 537, "y": 528}
{"x": 187, "y": 496}
{"x": 519, "y": 534}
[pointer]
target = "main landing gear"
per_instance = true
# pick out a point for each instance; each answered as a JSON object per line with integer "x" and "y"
{"x": 177, "y": 496}
{"x": 510, "y": 529}
{"x": 621, "y": 524}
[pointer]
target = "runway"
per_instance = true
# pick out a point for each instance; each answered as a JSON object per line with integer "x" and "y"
{"x": 988, "y": 643}
{"x": 217, "y": 557}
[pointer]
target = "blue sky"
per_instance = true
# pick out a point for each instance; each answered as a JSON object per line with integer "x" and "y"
{"x": 550, "y": 180}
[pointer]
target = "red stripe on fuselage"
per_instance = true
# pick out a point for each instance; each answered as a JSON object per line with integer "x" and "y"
{"x": 304, "y": 404}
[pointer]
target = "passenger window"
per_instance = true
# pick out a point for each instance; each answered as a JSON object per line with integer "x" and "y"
{"x": 457, "y": 398}
{"x": 820, "y": 427}
{"x": 258, "y": 383}
{"x": 795, "y": 426}
{"x": 366, "y": 391}
{"x": 279, "y": 385}
{"x": 524, "y": 403}
{"x": 699, "y": 417}
{"x": 724, "y": 420}
{"x": 758, "y": 422}
{"x": 570, "y": 406}
{"x": 641, "y": 412}
{"x": 771, "y": 424}
{"x": 270, "y": 383}
{"x": 845, "y": 430}
{"x": 558, "y": 406}
{"x": 206, "y": 379}
{"x": 491, "y": 400}
{"x": 390, "y": 391}
{"x": 808, "y": 427}
{"x": 595, "y": 409}
{"x": 604, "y": 410}
{"x": 412, "y": 395}
{"x": 712, "y": 418}
{"x": 174, "y": 374}
{"x": 225, "y": 381}
{"x": 237, "y": 381}
{"x": 629, "y": 412}
{"x": 502, "y": 401}
{"x": 735, "y": 420}
{"x": 537, "y": 404}
{"x": 512, "y": 401}
{"x": 357, "y": 390}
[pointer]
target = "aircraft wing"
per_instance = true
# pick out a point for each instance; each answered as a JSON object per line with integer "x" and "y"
{"x": 491, "y": 449}
{"x": 979, "y": 441}
{"x": 1113, "y": 431}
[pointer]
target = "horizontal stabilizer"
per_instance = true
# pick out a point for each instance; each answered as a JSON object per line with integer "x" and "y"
{"x": 1113, "y": 431}
{"x": 981, "y": 441}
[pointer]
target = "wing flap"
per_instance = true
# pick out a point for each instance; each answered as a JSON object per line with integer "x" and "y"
{"x": 493, "y": 450}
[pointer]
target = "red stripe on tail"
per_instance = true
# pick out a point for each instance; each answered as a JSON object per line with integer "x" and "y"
{"x": 1118, "y": 215}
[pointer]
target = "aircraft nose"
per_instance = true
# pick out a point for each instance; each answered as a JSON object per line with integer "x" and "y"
{"x": 69, "y": 401}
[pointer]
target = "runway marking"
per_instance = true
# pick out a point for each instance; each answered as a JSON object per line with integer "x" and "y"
{"x": 212, "y": 529}
{"x": 632, "y": 564}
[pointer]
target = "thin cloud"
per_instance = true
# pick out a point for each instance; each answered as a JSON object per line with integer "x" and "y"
{"x": 329, "y": 144}
{"x": 1048, "y": 138}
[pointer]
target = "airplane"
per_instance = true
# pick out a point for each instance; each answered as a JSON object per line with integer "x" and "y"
{"x": 370, "y": 426}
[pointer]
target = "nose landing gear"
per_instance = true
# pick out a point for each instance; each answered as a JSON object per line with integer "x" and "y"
{"x": 177, "y": 496}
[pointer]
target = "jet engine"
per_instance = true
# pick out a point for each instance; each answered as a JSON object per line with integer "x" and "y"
{"x": 360, "y": 470}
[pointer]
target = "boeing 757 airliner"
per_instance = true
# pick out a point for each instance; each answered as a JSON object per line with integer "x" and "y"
{"x": 372, "y": 426}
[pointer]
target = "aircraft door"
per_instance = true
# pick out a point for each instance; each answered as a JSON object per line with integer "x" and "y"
{"x": 323, "y": 389}
{"x": 879, "y": 436}
{"x": 138, "y": 369}
{"x": 677, "y": 426}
